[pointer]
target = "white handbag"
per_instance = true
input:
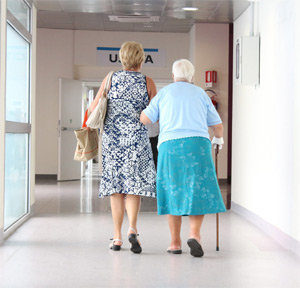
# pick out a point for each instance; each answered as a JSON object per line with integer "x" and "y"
{"x": 97, "y": 117}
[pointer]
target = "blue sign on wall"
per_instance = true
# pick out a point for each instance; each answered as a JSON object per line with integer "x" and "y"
{"x": 109, "y": 56}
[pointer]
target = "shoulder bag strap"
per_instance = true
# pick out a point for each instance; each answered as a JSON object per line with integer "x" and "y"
{"x": 105, "y": 91}
{"x": 108, "y": 83}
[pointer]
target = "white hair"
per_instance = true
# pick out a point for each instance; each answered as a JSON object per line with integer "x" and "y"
{"x": 183, "y": 69}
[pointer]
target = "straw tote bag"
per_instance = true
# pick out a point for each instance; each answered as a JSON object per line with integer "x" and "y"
{"x": 97, "y": 117}
{"x": 87, "y": 144}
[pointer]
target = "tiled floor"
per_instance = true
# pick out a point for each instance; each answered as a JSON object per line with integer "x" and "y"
{"x": 66, "y": 245}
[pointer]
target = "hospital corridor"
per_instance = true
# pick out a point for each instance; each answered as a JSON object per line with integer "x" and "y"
{"x": 201, "y": 117}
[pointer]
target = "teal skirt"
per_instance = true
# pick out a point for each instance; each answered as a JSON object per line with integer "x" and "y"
{"x": 186, "y": 178}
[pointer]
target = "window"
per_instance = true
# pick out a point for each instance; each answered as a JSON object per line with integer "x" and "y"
{"x": 17, "y": 112}
{"x": 17, "y": 77}
{"x": 21, "y": 11}
{"x": 16, "y": 177}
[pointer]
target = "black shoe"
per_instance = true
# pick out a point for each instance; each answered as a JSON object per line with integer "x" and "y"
{"x": 113, "y": 246}
{"x": 135, "y": 245}
{"x": 196, "y": 248}
{"x": 178, "y": 251}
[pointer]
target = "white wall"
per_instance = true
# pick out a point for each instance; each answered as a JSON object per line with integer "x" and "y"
{"x": 209, "y": 45}
{"x": 54, "y": 60}
{"x": 86, "y": 42}
{"x": 266, "y": 138}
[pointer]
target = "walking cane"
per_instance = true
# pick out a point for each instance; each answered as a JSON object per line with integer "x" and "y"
{"x": 217, "y": 215}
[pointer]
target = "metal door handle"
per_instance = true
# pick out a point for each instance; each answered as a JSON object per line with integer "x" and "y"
{"x": 68, "y": 129}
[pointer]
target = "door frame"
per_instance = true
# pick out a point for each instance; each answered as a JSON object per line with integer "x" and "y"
{"x": 59, "y": 127}
{"x": 86, "y": 87}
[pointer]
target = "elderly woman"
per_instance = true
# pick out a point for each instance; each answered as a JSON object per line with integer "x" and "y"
{"x": 128, "y": 170}
{"x": 186, "y": 179}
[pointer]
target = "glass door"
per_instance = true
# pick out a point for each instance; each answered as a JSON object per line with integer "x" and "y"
{"x": 17, "y": 113}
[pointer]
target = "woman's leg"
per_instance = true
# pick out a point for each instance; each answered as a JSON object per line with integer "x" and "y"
{"x": 195, "y": 226}
{"x": 175, "y": 227}
{"x": 133, "y": 204}
{"x": 117, "y": 204}
{"x": 194, "y": 240}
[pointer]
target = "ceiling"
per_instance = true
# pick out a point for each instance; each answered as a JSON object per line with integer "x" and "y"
{"x": 147, "y": 15}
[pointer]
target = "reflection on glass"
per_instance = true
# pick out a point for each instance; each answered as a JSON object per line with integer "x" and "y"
{"x": 86, "y": 196}
{"x": 17, "y": 81}
{"x": 16, "y": 177}
{"x": 21, "y": 11}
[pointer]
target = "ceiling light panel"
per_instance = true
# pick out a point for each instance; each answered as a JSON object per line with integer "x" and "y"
{"x": 191, "y": 9}
{"x": 101, "y": 6}
{"x": 174, "y": 9}
{"x": 134, "y": 7}
{"x": 133, "y": 19}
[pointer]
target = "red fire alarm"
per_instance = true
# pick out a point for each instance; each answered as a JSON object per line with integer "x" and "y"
{"x": 210, "y": 78}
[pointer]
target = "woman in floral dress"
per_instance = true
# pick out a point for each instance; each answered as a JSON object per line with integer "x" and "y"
{"x": 128, "y": 170}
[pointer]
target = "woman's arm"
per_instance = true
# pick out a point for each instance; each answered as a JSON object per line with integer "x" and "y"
{"x": 151, "y": 88}
{"x": 144, "y": 119}
{"x": 218, "y": 140}
{"x": 218, "y": 130}
{"x": 152, "y": 107}
{"x": 99, "y": 93}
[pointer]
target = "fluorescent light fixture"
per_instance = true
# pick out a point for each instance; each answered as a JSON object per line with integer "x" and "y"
{"x": 190, "y": 9}
{"x": 134, "y": 19}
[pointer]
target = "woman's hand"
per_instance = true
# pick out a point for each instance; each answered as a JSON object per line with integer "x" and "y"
{"x": 217, "y": 142}
{"x": 218, "y": 136}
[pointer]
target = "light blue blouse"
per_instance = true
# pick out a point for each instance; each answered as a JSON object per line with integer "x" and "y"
{"x": 183, "y": 110}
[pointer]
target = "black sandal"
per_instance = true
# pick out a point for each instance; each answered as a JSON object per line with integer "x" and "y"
{"x": 113, "y": 246}
{"x": 174, "y": 251}
{"x": 135, "y": 245}
{"x": 196, "y": 248}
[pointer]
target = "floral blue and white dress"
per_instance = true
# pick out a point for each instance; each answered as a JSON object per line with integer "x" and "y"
{"x": 127, "y": 159}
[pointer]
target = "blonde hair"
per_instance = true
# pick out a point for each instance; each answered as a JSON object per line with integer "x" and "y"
{"x": 183, "y": 69}
{"x": 131, "y": 55}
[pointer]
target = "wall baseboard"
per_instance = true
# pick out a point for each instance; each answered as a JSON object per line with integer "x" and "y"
{"x": 223, "y": 181}
{"x": 286, "y": 241}
{"x": 45, "y": 176}
{"x": 32, "y": 210}
{"x": 1, "y": 236}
